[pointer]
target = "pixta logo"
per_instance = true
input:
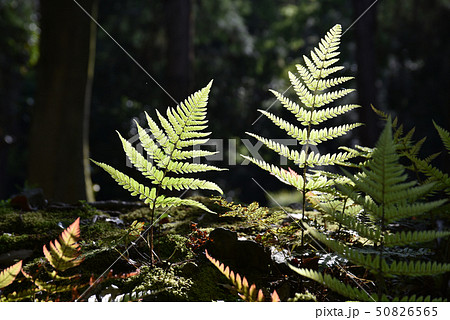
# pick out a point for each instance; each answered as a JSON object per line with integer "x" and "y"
{"x": 227, "y": 151}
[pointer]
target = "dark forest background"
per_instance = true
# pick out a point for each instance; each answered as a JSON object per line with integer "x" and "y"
{"x": 65, "y": 86}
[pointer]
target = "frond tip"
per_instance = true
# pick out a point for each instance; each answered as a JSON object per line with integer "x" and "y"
{"x": 316, "y": 91}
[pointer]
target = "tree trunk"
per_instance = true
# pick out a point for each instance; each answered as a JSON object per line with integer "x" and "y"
{"x": 180, "y": 54}
{"x": 365, "y": 30}
{"x": 59, "y": 150}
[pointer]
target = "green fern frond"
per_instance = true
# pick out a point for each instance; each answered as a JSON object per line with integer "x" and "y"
{"x": 187, "y": 167}
{"x": 189, "y": 154}
{"x": 313, "y": 136}
{"x": 313, "y": 99}
{"x": 414, "y": 298}
{"x": 138, "y": 160}
{"x": 384, "y": 179}
{"x": 395, "y": 213}
{"x": 181, "y": 127}
{"x": 413, "y": 268}
{"x": 352, "y": 223}
{"x": 353, "y": 255}
{"x": 65, "y": 253}
{"x": 150, "y": 146}
{"x": 163, "y": 201}
{"x": 145, "y": 193}
{"x": 314, "y": 84}
{"x": 188, "y": 183}
{"x": 335, "y": 285}
{"x": 416, "y": 268}
{"x": 294, "y": 180}
{"x": 391, "y": 211}
{"x": 318, "y": 136}
{"x": 445, "y": 136}
{"x": 313, "y": 90}
{"x": 442, "y": 179}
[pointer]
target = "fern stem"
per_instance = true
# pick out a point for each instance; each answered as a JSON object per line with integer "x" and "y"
{"x": 305, "y": 168}
{"x": 380, "y": 276}
{"x": 158, "y": 190}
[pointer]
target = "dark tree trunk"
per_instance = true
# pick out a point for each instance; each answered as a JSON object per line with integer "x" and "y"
{"x": 365, "y": 30}
{"x": 180, "y": 54}
{"x": 59, "y": 150}
{"x": 10, "y": 85}
{"x": 14, "y": 71}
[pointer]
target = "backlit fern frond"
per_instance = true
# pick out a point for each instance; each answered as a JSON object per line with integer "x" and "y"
{"x": 246, "y": 292}
{"x": 315, "y": 91}
{"x": 65, "y": 253}
{"x": 8, "y": 275}
{"x": 182, "y": 127}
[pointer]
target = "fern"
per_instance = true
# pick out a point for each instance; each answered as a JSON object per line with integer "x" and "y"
{"x": 355, "y": 293}
{"x": 314, "y": 88}
{"x": 445, "y": 136}
{"x": 65, "y": 253}
{"x": 334, "y": 284}
{"x": 246, "y": 292}
{"x": 126, "y": 297}
{"x": 8, "y": 275}
{"x": 182, "y": 127}
{"x": 424, "y": 166}
{"x": 382, "y": 192}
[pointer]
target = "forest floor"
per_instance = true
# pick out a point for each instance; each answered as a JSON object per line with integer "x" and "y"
{"x": 117, "y": 256}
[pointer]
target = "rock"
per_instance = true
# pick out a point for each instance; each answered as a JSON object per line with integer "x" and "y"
{"x": 106, "y": 218}
{"x": 13, "y": 256}
{"x": 246, "y": 255}
{"x": 189, "y": 269}
{"x": 29, "y": 200}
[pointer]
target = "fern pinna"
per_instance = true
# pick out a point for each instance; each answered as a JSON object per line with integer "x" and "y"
{"x": 8, "y": 275}
{"x": 182, "y": 128}
{"x": 410, "y": 149}
{"x": 381, "y": 193}
{"x": 246, "y": 292}
{"x": 313, "y": 90}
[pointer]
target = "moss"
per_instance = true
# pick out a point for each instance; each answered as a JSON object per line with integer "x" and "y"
{"x": 206, "y": 285}
{"x": 14, "y": 242}
{"x": 173, "y": 247}
{"x": 102, "y": 233}
{"x": 167, "y": 284}
{"x": 12, "y": 221}
{"x": 138, "y": 214}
